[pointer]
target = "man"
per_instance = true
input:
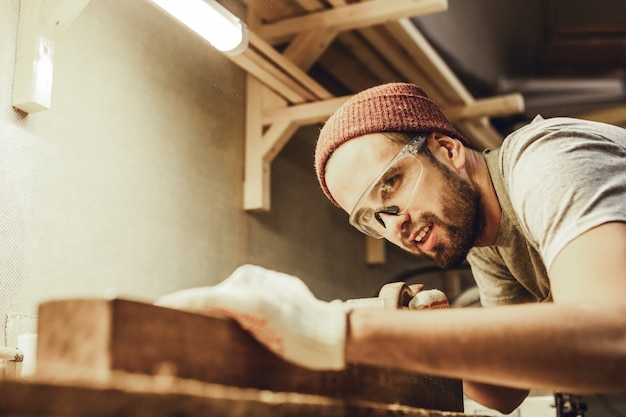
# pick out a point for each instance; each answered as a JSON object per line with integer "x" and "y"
{"x": 542, "y": 221}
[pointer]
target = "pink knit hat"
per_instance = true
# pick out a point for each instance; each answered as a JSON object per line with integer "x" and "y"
{"x": 394, "y": 107}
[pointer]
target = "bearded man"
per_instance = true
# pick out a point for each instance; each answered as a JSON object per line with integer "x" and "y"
{"x": 541, "y": 220}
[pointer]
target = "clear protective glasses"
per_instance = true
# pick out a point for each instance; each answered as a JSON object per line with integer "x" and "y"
{"x": 391, "y": 192}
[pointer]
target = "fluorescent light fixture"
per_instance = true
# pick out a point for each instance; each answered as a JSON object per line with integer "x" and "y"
{"x": 210, "y": 20}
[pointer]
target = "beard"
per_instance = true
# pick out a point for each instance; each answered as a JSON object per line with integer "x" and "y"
{"x": 461, "y": 221}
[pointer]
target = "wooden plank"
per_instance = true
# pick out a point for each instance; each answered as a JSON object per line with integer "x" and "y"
{"x": 349, "y": 17}
{"x": 256, "y": 177}
{"x": 498, "y": 106}
{"x": 270, "y": 10}
{"x": 275, "y": 138}
{"x": 310, "y": 5}
{"x": 306, "y": 48}
{"x": 435, "y": 68}
{"x": 140, "y": 396}
{"x": 256, "y": 66}
{"x": 346, "y": 69}
{"x": 304, "y": 114}
{"x": 395, "y": 53}
{"x": 363, "y": 52}
{"x": 92, "y": 339}
{"x": 289, "y": 68}
{"x": 319, "y": 111}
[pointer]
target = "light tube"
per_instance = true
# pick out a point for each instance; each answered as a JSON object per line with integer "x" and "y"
{"x": 210, "y": 20}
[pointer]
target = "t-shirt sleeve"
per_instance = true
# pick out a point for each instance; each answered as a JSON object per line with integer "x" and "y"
{"x": 565, "y": 177}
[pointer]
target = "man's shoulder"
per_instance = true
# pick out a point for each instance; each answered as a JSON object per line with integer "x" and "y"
{"x": 558, "y": 131}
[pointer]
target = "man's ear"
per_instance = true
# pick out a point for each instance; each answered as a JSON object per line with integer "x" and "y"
{"x": 448, "y": 150}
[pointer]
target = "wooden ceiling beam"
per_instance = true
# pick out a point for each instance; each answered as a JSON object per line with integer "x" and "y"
{"x": 282, "y": 97}
{"x": 306, "y": 48}
{"x": 349, "y": 17}
{"x": 496, "y": 106}
{"x": 430, "y": 62}
{"x": 273, "y": 77}
{"x": 320, "y": 111}
{"x": 304, "y": 114}
{"x": 368, "y": 57}
{"x": 281, "y": 64}
{"x": 347, "y": 70}
{"x": 397, "y": 56}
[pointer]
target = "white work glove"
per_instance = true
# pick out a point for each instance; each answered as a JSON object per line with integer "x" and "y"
{"x": 429, "y": 299}
{"x": 279, "y": 310}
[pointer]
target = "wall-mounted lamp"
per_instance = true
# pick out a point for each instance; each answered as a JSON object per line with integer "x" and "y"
{"x": 40, "y": 24}
{"x": 209, "y": 19}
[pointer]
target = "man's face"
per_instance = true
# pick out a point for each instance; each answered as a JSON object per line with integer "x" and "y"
{"x": 442, "y": 219}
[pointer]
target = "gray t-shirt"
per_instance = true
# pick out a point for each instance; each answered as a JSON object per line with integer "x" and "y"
{"x": 562, "y": 177}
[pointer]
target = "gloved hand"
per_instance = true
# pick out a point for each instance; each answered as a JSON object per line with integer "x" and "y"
{"x": 279, "y": 310}
{"x": 429, "y": 299}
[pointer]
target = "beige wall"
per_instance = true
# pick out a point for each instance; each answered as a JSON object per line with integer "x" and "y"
{"x": 132, "y": 182}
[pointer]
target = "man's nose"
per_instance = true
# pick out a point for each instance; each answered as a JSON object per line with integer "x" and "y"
{"x": 394, "y": 222}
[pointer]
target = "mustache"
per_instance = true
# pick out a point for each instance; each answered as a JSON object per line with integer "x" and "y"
{"x": 424, "y": 218}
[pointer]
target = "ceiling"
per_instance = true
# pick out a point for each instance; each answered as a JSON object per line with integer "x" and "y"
{"x": 475, "y": 58}
{"x": 567, "y": 57}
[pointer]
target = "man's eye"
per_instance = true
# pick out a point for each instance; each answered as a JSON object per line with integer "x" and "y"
{"x": 390, "y": 186}
{"x": 390, "y": 182}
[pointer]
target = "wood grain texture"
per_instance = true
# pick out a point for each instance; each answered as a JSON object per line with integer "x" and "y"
{"x": 92, "y": 339}
{"x": 142, "y": 396}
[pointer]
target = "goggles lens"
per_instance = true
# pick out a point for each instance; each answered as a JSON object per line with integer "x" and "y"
{"x": 391, "y": 193}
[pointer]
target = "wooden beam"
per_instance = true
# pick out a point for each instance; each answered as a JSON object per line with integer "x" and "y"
{"x": 363, "y": 52}
{"x": 346, "y": 69}
{"x": 288, "y": 67}
{"x": 268, "y": 10}
{"x": 320, "y": 111}
{"x": 265, "y": 72}
{"x": 256, "y": 180}
{"x": 394, "y": 53}
{"x": 352, "y": 16}
{"x": 498, "y": 106}
{"x": 304, "y": 114}
{"x": 307, "y": 102}
{"x": 423, "y": 54}
{"x": 275, "y": 138}
{"x": 278, "y": 73}
{"x": 306, "y": 48}
{"x": 94, "y": 339}
{"x": 132, "y": 395}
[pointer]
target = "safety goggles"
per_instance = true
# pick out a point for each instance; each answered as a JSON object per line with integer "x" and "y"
{"x": 391, "y": 192}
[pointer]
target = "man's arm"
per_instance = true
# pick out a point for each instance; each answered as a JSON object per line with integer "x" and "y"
{"x": 576, "y": 344}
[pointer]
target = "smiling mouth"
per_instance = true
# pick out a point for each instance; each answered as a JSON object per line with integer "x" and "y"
{"x": 423, "y": 232}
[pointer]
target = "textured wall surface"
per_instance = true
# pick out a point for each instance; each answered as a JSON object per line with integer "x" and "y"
{"x": 131, "y": 184}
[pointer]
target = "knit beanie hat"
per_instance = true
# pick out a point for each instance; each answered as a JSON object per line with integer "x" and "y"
{"x": 394, "y": 107}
